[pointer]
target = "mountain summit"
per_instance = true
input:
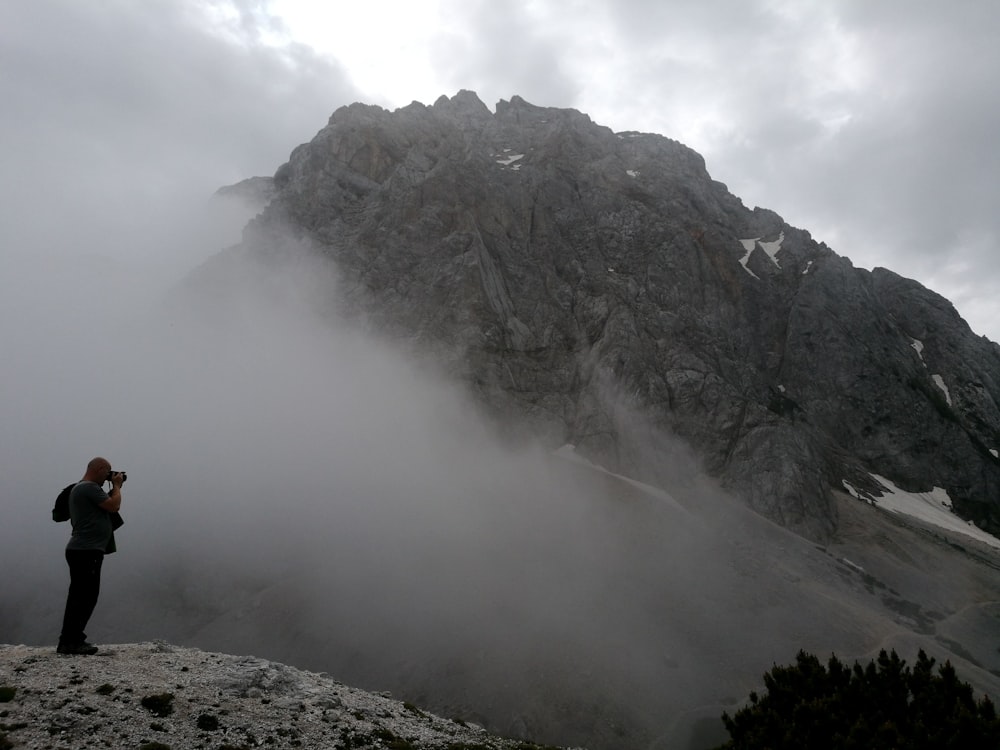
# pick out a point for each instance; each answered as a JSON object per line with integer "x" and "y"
{"x": 601, "y": 289}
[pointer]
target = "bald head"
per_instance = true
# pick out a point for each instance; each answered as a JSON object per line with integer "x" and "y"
{"x": 97, "y": 470}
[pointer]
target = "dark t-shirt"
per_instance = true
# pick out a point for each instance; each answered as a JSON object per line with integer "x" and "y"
{"x": 91, "y": 524}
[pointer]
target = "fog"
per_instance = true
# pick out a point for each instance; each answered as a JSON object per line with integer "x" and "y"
{"x": 297, "y": 488}
{"x": 303, "y": 490}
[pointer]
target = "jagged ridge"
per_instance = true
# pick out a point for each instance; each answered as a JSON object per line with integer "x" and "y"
{"x": 576, "y": 277}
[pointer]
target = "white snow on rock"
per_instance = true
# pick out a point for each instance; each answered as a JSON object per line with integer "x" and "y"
{"x": 852, "y": 564}
{"x": 748, "y": 245}
{"x": 632, "y": 172}
{"x": 808, "y": 266}
{"x": 939, "y": 382}
{"x": 856, "y": 493}
{"x": 932, "y": 507}
{"x": 508, "y": 160}
{"x": 772, "y": 248}
{"x": 919, "y": 347}
{"x": 995, "y": 453}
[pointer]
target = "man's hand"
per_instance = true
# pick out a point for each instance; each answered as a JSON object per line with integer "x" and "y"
{"x": 114, "y": 502}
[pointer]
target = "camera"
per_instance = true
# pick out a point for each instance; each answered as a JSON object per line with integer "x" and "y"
{"x": 112, "y": 472}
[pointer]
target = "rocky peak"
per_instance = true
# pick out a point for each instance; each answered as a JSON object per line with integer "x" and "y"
{"x": 465, "y": 108}
{"x": 571, "y": 275}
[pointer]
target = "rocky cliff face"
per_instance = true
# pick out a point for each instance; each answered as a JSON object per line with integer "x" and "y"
{"x": 577, "y": 278}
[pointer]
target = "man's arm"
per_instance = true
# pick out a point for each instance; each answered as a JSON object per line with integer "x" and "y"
{"x": 114, "y": 502}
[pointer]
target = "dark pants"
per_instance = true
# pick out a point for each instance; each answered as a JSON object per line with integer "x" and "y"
{"x": 84, "y": 588}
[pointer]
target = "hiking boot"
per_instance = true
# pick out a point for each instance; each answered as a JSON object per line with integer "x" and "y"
{"x": 77, "y": 649}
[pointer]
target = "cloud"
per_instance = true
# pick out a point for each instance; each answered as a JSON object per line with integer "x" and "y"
{"x": 872, "y": 127}
{"x": 125, "y": 116}
{"x": 301, "y": 491}
{"x": 499, "y": 50}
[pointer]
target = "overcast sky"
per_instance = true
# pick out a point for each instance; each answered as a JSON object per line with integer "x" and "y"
{"x": 874, "y": 125}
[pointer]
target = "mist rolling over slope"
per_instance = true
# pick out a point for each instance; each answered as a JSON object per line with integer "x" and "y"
{"x": 345, "y": 435}
{"x": 304, "y": 491}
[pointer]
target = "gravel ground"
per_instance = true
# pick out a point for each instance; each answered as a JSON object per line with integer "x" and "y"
{"x": 155, "y": 696}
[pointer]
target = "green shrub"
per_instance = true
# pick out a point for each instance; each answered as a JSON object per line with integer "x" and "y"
{"x": 882, "y": 706}
{"x": 208, "y": 723}
{"x": 159, "y": 705}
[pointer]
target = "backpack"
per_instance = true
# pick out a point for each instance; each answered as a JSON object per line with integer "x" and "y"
{"x": 60, "y": 512}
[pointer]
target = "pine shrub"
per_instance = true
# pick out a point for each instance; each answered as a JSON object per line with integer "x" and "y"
{"x": 884, "y": 705}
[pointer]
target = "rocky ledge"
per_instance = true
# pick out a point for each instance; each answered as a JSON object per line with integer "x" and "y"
{"x": 155, "y": 696}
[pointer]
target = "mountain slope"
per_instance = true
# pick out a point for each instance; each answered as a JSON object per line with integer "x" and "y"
{"x": 600, "y": 289}
{"x": 599, "y": 613}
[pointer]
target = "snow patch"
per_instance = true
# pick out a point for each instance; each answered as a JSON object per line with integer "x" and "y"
{"x": 919, "y": 347}
{"x": 772, "y": 248}
{"x": 748, "y": 245}
{"x": 808, "y": 266}
{"x": 852, "y": 564}
{"x": 632, "y": 172}
{"x": 507, "y": 161}
{"x": 856, "y": 493}
{"x": 995, "y": 453}
{"x": 781, "y": 388}
{"x": 932, "y": 507}
{"x": 939, "y": 382}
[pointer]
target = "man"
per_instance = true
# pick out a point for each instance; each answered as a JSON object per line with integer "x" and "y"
{"x": 91, "y": 510}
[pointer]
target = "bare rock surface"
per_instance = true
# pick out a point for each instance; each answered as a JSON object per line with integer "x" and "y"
{"x": 134, "y": 695}
{"x": 564, "y": 270}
